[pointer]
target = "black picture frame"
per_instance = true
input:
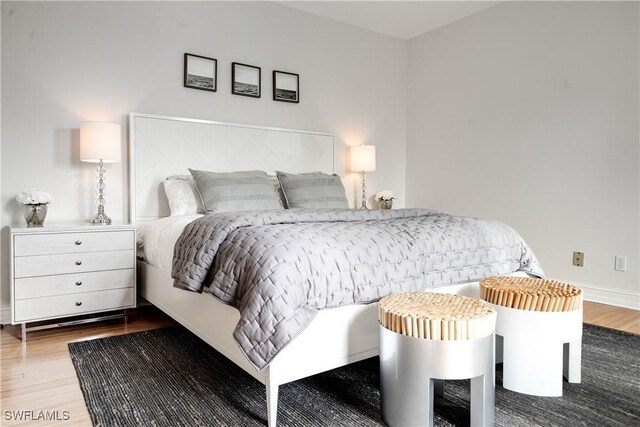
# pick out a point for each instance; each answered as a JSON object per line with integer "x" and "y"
{"x": 283, "y": 86}
{"x": 246, "y": 80}
{"x": 198, "y": 75}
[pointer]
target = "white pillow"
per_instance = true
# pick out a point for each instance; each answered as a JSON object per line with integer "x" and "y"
{"x": 183, "y": 196}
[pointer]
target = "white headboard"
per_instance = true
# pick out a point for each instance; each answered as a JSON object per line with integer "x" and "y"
{"x": 160, "y": 146}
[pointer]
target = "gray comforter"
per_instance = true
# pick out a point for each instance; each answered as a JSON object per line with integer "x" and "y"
{"x": 280, "y": 267}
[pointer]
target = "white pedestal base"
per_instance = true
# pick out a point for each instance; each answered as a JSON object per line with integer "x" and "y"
{"x": 538, "y": 348}
{"x": 412, "y": 371}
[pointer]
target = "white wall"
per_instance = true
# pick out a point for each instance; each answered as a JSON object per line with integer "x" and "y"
{"x": 528, "y": 112}
{"x": 64, "y": 63}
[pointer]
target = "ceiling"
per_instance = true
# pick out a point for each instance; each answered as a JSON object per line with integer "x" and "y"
{"x": 401, "y": 19}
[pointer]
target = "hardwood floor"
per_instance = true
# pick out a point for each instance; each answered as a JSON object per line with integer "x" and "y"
{"x": 624, "y": 319}
{"x": 38, "y": 375}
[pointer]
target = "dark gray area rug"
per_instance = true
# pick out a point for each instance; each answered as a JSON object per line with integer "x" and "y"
{"x": 169, "y": 377}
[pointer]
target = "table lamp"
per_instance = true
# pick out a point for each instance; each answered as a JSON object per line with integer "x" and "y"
{"x": 100, "y": 143}
{"x": 363, "y": 159}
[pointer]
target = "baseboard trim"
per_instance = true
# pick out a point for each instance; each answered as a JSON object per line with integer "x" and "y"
{"x": 610, "y": 296}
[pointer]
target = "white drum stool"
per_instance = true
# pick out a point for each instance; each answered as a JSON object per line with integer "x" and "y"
{"x": 429, "y": 337}
{"x": 538, "y": 333}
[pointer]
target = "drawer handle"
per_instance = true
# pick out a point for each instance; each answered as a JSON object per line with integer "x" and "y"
{"x": 78, "y": 262}
{"x": 78, "y": 303}
{"x": 78, "y": 242}
{"x": 79, "y": 282}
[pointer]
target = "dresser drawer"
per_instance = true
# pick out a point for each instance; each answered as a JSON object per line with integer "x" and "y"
{"x": 64, "y": 243}
{"x": 70, "y": 305}
{"x": 64, "y": 284}
{"x": 44, "y": 265}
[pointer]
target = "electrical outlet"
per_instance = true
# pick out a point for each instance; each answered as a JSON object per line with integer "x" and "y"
{"x": 578, "y": 259}
{"x": 621, "y": 263}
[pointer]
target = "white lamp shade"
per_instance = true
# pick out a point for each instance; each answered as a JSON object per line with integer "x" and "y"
{"x": 99, "y": 141}
{"x": 363, "y": 158}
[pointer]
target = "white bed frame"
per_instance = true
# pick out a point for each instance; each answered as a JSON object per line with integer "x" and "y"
{"x": 337, "y": 336}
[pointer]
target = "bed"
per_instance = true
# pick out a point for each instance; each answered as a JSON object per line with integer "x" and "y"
{"x": 163, "y": 146}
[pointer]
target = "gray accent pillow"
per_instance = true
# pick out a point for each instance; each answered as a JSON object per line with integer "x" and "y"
{"x": 313, "y": 190}
{"x": 235, "y": 191}
{"x": 278, "y": 189}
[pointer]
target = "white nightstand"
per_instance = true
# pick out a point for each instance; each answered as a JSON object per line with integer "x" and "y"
{"x": 68, "y": 270}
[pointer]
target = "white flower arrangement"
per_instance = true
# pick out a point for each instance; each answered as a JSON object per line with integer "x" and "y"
{"x": 384, "y": 195}
{"x": 34, "y": 197}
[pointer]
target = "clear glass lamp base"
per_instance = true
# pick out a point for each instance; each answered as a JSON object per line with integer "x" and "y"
{"x": 100, "y": 219}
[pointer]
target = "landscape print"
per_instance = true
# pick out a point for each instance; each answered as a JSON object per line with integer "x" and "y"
{"x": 200, "y": 81}
{"x": 286, "y": 94}
{"x": 246, "y": 89}
{"x": 286, "y": 86}
{"x": 200, "y": 72}
{"x": 245, "y": 80}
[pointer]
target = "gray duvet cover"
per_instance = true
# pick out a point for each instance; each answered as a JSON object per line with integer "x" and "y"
{"x": 278, "y": 268}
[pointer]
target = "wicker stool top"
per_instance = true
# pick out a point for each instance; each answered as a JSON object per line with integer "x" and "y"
{"x": 436, "y": 316}
{"x": 526, "y": 293}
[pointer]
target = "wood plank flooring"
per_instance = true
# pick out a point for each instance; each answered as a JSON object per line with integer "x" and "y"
{"x": 624, "y": 319}
{"x": 38, "y": 375}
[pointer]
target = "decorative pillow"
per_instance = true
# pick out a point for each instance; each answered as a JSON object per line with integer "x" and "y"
{"x": 235, "y": 191}
{"x": 313, "y": 190}
{"x": 183, "y": 196}
{"x": 278, "y": 189}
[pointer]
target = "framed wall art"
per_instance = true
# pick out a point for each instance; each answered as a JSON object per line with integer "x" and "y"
{"x": 200, "y": 72}
{"x": 286, "y": 86}
{"x": 245, "y": 80}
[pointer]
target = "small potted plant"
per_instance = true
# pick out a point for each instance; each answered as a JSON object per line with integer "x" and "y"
{"x": 385, "y": 199}
{"x": 34, "y": 206}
